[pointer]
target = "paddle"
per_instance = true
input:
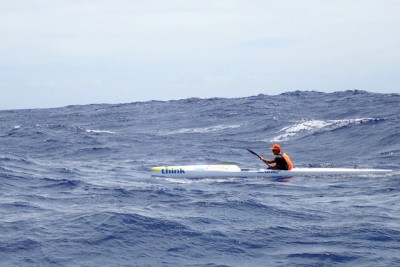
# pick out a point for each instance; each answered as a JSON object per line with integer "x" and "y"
{"x": 252, "y": 152}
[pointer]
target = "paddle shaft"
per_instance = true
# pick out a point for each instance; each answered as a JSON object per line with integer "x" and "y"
{"x": 252, "y": 152}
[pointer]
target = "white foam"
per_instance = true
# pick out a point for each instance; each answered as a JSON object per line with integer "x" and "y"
{"x": 99, "y": 131}
{"x": 305, "y": 127}
{"x": 201, "y": 130}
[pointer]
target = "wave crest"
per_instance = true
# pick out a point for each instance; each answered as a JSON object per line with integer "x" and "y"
{"x": 307, "y": 127}
{"x": 201, "y": 130}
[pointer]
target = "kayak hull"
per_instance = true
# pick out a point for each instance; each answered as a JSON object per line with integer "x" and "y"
{"x": 216, "y": 171}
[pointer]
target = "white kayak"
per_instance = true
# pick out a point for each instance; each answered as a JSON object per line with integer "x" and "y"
{"x": 230, "y": 170}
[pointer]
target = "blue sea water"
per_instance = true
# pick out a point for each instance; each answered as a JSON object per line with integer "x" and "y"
{"x": 75, "y": 187}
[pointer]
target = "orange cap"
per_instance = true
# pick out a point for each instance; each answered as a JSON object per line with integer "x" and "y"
{"x": 276, "y": 147}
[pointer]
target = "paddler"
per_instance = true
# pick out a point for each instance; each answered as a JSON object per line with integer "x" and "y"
{"x": 282, "y": 160}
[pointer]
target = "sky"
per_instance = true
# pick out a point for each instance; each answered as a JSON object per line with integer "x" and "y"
{"x": 75, "y": 52}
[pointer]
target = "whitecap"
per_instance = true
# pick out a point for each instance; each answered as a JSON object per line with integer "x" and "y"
{"x": 201, "y": 130}
{"x": 99, "y": 131}
{"x": 305, "y": 127}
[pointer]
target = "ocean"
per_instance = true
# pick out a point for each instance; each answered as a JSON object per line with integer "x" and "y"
{"x": 75, "y": 186}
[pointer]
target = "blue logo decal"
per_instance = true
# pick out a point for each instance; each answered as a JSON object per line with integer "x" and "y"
{"x": 269, "y": 171}
{"x": 174, "y": 171}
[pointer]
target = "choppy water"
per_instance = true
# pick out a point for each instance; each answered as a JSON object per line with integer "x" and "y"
{"x": 75, "y": 187}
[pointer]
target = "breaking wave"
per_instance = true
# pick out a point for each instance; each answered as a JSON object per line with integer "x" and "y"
{"x": 309, "y": 127}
